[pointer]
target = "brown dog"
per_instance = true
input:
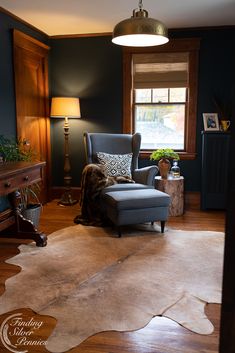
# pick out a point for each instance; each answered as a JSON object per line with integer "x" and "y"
{"x": 94, "y": 180}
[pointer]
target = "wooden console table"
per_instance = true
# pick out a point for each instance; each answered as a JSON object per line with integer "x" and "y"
{"x": 175, "y": 188}
{"x": 13, "y": 177}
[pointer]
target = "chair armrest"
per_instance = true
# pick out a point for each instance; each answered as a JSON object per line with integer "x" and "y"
{"x": 145, "y": 175}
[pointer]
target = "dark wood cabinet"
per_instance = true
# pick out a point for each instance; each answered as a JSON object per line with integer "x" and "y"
{"x": 13, "y": 177}
{"x": 215, "y": 162}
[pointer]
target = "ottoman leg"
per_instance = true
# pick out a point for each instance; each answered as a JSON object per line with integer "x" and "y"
{"x": 162, "y": 226}
{"x": 119, "y": 232}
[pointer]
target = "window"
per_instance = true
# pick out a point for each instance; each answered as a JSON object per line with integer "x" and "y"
{"x": 159, "y": 115}
{"x": 160, "y": 91}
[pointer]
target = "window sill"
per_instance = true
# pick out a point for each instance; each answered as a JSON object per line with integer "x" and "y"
{"x": 183, "y": 155}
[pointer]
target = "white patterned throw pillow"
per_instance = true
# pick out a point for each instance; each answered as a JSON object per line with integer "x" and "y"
{"x": 116, "y": 164}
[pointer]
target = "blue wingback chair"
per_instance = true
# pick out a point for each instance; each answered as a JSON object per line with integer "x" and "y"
{"x": 121, "y": 144}
{"x": 128, "y": 203}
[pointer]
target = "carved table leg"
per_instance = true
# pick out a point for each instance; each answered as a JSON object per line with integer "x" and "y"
{"x": 27, "y": 230}
{"x": 23, "y": 228}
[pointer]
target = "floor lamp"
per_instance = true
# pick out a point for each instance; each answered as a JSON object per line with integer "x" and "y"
{"x": 66, "y": 107}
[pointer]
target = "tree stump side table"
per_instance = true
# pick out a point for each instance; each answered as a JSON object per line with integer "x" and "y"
{"x": 175, "y": 188}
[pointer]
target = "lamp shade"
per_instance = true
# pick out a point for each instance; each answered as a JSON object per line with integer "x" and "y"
{"x": 65, "y": 107}
{"x": 140, "y": 31}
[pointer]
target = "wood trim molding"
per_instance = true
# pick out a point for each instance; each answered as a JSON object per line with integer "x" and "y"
{"x": 61, "y": 36}
{"x": 57, "y": 191}
{"x": 22, "y": 21}
{"x": 29, "y": 43}
{"x": 105, "y": 33}
{"x": 192, "y": 108}
{"x": 127, "y": 92}
{"x": 190, "y": 45}
{"x": 183, "y": 155}
{"x": 203, "y": 28}
{"x": 192, "y": 200}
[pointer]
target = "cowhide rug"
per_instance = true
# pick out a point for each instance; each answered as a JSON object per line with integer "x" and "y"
{"x": 91, "y": 281}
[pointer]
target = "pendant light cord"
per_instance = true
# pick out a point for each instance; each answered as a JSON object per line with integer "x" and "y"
{"x": 140, "y": 5}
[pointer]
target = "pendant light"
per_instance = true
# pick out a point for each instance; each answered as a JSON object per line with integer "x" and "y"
{"x": 140, "y": 30}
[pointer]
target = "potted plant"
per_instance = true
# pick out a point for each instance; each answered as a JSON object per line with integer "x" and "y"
{"x": 15, "y": 150}
{"x": 19, "y": 150}
{"x": 162, "y": 156}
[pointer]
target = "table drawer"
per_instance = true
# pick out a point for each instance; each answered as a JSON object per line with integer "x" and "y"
{"x": 18, "y": 181}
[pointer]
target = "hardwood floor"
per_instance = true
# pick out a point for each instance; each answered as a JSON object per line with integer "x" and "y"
{"x": 161, "y": 335}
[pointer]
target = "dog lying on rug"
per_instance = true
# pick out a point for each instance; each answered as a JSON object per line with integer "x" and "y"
{"x": 93, "y": 182}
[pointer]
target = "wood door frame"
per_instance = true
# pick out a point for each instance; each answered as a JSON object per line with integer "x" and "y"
{"x": 26, "y": 42}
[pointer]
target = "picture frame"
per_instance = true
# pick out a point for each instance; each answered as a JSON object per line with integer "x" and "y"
{"x": 211, "y": 121}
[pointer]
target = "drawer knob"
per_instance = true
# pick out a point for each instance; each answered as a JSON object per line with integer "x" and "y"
{"x": 7, "y": 184}
{"x": 26, "y": 178}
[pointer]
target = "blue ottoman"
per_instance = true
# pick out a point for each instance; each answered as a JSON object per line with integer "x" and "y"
{"x": 136, "y": 206}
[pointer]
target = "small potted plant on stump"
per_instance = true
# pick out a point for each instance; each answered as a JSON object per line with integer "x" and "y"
{"x": 163, "y": 156}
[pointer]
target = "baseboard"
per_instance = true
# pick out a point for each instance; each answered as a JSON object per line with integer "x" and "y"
{"x": 192, "y": 200}
{"x": 57, "y": 191}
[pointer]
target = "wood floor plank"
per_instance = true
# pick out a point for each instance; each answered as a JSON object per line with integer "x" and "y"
{"x": 161, "y": 335}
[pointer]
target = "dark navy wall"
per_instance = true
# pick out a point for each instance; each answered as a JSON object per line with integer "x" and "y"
{"x": 7, "y": 90}
{"x": 216, "y": 77}
{"x": 91, "y": 68}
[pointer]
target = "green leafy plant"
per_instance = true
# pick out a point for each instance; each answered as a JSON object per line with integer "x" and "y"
{"x": 13, "y": 150}
{"x": 166, "y": 153}
{"x": 29, "y": 196}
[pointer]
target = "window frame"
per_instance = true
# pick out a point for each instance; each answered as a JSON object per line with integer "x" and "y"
{"x": 189, "y": 45}
{"x": 152, "y": 103}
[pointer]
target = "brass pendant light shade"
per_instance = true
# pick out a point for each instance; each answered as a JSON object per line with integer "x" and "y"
{"x": 140, "y": 30}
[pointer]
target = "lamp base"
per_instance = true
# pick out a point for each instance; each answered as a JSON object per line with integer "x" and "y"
{"x": 67, "y": 199}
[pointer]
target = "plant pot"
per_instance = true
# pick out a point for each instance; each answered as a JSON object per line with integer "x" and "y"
{"x": 32, "y": 213}
{"x": 164, "y": 166}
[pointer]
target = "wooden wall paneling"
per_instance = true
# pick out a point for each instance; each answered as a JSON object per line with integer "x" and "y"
{"x": 32, "y": 98}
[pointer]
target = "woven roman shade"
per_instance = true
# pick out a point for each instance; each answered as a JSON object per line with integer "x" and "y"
{"x": 160, "y": 70}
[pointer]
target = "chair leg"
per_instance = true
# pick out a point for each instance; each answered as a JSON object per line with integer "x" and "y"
{"x": 162, "y": 226}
